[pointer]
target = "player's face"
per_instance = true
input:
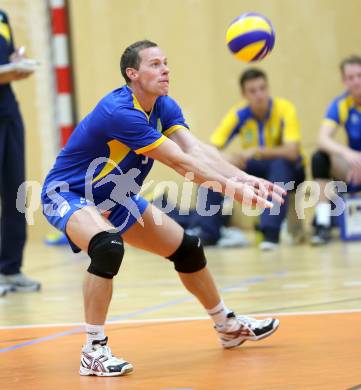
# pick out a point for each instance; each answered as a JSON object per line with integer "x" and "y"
{"x": 256, "y": 92}
{"x": 352, "y": 79}
{"x": 153, "y": 72}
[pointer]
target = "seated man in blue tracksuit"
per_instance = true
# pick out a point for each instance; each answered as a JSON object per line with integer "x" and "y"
{"x": 269, "y": 134}
{"x": 334, "y": 160}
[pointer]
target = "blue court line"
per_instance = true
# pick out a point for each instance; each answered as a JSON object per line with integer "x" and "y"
{"x": 41, "y": 339}
{"x": 245, "y": 282}
{"x": 127, "y": 316}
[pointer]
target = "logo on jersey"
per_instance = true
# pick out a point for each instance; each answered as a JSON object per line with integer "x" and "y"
{"x": 159, "y": 125}
{"x": 355, "y": 119}
{"x": 83, "y": 201}
{"x": 248, "y": 135}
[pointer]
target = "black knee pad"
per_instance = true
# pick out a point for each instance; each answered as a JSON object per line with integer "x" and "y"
{"x": 189, "y": 257}
{"x": 106, "y": 251}
{"x": 321, "y": 165}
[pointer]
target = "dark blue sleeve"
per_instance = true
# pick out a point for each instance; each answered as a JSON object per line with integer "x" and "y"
{"x": 332, "y": 112}
{"x": 6, "y": 39}
{"x": 4, "y": 55}
{"x": 171, "y": 115}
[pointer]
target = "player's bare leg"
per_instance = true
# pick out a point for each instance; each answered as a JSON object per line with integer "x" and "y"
{"x": 165, "y": 239}
{"x": 82, "y": 226}
{"x": 96, "y": 357}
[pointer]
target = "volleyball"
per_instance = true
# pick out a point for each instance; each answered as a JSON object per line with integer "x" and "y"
{"x": 250, "y": 37}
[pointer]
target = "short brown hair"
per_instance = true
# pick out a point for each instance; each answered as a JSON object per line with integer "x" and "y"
{"x": 351, "y": 60}
{"x": 251, "y": 74}
{"x": 130, "y": 58}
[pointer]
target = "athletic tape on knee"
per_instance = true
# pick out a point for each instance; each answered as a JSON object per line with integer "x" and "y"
{"x": 106, "y": 252}
{"x": 189, "y": 257}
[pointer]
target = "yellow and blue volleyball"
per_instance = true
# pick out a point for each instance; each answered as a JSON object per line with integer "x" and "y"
{"x": 250, "y": 37}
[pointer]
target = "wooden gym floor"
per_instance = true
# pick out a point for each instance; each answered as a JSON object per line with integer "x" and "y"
{"x": 164, "y": 332}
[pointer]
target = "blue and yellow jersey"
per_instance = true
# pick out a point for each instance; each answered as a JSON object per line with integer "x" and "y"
{"x": 110, "y": 140}
{"x": 8, "y": 103}
{"x": 279, "y": 126}
{"x": 343, "y": 111}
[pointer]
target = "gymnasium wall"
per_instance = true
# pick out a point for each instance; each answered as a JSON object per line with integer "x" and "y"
{"x": 311, "y": 38}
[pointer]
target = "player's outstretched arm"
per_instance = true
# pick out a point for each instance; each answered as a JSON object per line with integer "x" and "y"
{"x": 170, "y": 154}
{"x": 217, "y": 160}
{"x": 212, "y": 158}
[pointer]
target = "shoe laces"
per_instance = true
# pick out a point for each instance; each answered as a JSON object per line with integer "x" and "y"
{"x": 106, "y": 351}
{"x": 253, "y": 323}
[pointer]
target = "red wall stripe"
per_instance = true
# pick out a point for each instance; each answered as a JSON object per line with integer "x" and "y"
{"x": 63, "y": 80}
{"x": 65, "y": 132}
{"x": 60, "y": 24}
{"x": 59, "y": 21}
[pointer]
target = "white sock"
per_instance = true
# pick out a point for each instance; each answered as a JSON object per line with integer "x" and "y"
{"x": 219, "y": 313}
{"x": 323, "y": 214}
{"x": 94, "y": 332}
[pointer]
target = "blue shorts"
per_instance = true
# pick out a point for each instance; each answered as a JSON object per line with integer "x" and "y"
{"x": 61, "y": 206}
{"x": 353, "y": 187}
